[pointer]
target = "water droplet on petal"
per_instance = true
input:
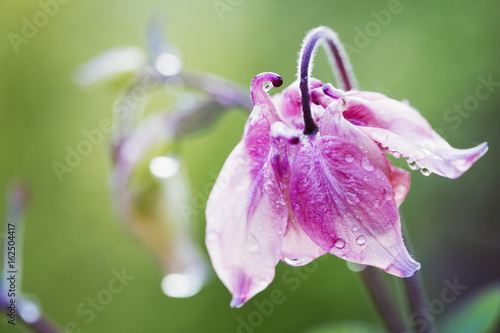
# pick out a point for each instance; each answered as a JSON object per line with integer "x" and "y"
{"x": 376, "y": 203}
{"x": 355, "y": 267}
{"x": 305, "y": 168}
{"x": 389, "y": 195}
{"x": 361, "y": 240}
{"x": 426, "y": 172}
{"x": 267, "y": 85}
{"x": 295, "y": 261}
{"x": 303, "y": 184}
{"x": 367, "y": 165}
{"x": 251, "y": 243}
{"x": 355, "y": 228}
{"x": 352, "y": 198}
{"x": 412, "y": 164}
{"x": 212, "y": 236}
{"x": 339, "y": 243}
{"x": 397, "y": 154}
{"x": 349, "y": 158}
{"x": 264, "y": 283}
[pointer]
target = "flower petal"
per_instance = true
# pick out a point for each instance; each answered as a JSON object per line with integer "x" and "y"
{"x": 400, "y": 181}
{"x": 347, "y": 206}
{"x": 246, "y": 215}
{"x": 289, "y": 105}
{"x": 402, "y": 129}
{"x": 297, "y": 249}
{"x": 334, "y": 124}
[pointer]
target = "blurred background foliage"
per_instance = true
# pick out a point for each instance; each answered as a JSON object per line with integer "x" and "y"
{"x": 431, "y": 53}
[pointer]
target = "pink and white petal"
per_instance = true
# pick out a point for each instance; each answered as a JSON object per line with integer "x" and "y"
{"x": 400, "y": 181}
{"x": 290, "y": 108}
{"x": 347, "y": 206}
{"x": 246, "y": 218}
{"x": 438, "y": 156}
{"x": 334, "y": 124}
{"x": 297, "y": 249}
{"x": 402, "y": 129}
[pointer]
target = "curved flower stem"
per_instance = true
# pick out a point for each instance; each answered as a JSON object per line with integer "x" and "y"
{"x": 40, "y": 325}
{"x": 224, "y": 91}
{"x": 340, "y": 64}
{"x": 43, "y": 325}
{"x": 416, "y": 293}
{"x": 18, "y": 198}
{"x": 381, "y": 299}
{"x": 418, "y": 301}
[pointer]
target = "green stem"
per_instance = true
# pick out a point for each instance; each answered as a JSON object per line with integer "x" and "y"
{"x": 418, "y": 301}
{"x": 416, "y": 295}
{"x": 382, "y": 300}
{"x": 17, "y": 202}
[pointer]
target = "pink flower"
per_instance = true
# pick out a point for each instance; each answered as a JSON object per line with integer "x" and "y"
{"x": 307, "y": 179}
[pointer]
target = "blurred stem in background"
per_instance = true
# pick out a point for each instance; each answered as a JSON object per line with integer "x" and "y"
{"x": 149, "y": 183}
{"x": 16, "y": 305}
{"x": 381, "y": 297}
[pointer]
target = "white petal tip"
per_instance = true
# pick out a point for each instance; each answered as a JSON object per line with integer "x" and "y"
{"x": 406, "y": 270}
{"x": 237, "y": 302}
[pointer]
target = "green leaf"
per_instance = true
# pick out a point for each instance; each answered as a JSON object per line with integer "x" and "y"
{"x": 479, "y": 314}
{"x": 345, "y": 327}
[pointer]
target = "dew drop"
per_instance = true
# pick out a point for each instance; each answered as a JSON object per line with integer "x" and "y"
{"x": 251, "y": 243}
{"x": 267, "y": 85}
{"x": 339, "y": 243}
{"x": 412, "y": 164}
{"x": 349, "y": 158}
{"x": 376, "y": 203}
{"x": 397, "y": 154}
{"x": 361, "y": 240}
{"x": 388, "y": 195}
{"x": 295, "y": 261}
{"x": 367, "y": 165}
{"x": 426, "y": 172}
{"x": 355, "y": 228}
{"x": 303, "y": 184}
{"x": 352, "y": 198}
{"x": 212, "y": 236}
{"x": 355, "y": 267}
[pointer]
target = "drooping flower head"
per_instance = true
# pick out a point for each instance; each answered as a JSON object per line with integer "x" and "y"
{"x": 149, "y": 183}
{"x": 310, "y": 176}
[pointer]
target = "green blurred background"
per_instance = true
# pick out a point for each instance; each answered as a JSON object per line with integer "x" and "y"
{"x": 431, "y": 53}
